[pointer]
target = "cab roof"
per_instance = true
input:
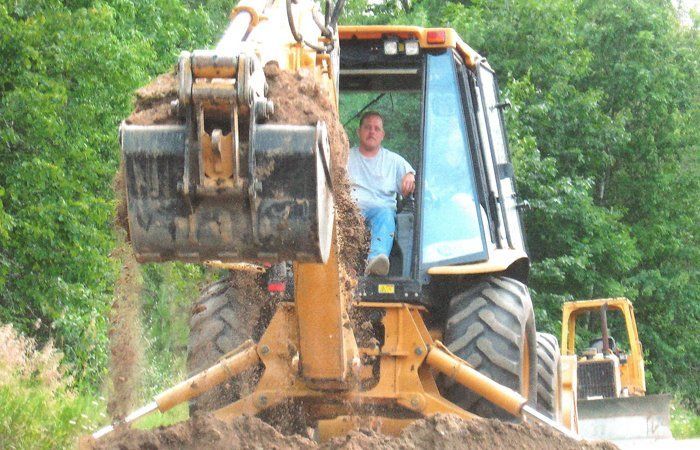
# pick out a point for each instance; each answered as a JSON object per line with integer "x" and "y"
{"x": 427, "y": 38}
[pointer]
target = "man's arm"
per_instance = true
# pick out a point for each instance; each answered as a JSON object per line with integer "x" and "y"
{"x": 408, "y": 183}
{"x": 405, "y": 176}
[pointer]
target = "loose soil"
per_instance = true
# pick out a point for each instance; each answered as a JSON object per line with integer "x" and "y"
{"x": 152, "y": 107}
{"x": 438, "y": 432}
{"x": 300, "y": 100}
{"x": 125, "y": 332}
{"x": 153, "y": 102}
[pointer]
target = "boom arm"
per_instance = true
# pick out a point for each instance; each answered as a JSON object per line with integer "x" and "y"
{"x": 222, "y": 184}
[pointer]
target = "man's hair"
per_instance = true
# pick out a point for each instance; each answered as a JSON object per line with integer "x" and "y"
{"x": 367, "y": 114}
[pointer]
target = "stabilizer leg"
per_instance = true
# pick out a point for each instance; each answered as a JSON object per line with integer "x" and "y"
{"x": 235, "y": 363}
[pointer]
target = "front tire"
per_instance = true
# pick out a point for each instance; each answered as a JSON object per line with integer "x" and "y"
{"x": 492, "y": 327}
{"x": 548, "y": 375}
{"x": 223, "y": 318}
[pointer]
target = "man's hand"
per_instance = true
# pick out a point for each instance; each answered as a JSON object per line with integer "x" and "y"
{"x": 408, "y": 184}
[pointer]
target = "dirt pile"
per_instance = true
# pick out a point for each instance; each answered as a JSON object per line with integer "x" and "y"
{"x": 438, "y": 432}
{"x": 205, "y": 432}
{"x": 153, "y": 102}
{"x": 450, "y": 432}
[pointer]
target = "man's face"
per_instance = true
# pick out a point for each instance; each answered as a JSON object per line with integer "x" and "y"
{"x": 371, "y": 133}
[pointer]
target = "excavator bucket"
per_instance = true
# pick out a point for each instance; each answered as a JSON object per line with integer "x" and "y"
{"x": 625, "y": 419}
{"x": 223, "y": 185}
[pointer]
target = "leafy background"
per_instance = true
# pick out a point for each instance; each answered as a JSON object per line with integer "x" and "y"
{"x": 603, "y": 132}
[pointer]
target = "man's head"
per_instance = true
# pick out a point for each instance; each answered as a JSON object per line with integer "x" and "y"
{"x": 371, "y": 132}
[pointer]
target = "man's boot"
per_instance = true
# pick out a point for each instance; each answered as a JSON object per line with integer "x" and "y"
{"x": 379, "y": 265}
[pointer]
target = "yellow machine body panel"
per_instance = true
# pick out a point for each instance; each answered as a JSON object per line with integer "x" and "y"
{"x": 427, "y": 37}
{"x": 499, "y": 261}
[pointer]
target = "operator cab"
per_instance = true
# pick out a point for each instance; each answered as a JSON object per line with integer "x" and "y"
{"x": 463, "y": 206}
{"x": 597, "y": 345}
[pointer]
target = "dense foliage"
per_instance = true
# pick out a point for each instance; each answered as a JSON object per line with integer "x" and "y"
{"x": 70, "y": 69}
{"x": 603, "y": 133}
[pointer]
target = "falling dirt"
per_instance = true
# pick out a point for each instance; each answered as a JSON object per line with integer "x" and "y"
{"x": 121, "y": 221}
{"x": 124, "y": 332}
{"x": 438, "y": 432}
{"x": 300, "y": 100}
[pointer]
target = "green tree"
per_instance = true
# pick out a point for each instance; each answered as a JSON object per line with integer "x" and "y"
{"x": 70, "y": 70}
{"x": 648, "y": 68}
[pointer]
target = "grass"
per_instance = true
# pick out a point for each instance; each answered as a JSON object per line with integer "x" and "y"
{"x": 685, "y": 424}
{"x": 38, "y": 408}
{"x": 175, "y": 415}
{"x": 33, "y": 417}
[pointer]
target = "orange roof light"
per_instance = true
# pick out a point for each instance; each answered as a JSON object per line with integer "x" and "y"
{"x": 436, "y": 37}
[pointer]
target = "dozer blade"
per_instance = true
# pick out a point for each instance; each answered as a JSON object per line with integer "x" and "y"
{"x": 624, "y": 419}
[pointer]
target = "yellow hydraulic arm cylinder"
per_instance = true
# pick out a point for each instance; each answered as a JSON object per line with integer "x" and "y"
{"x": 233, "y": 364}
{"x": 469, "y": 377}
{"x": 448, "y": 364}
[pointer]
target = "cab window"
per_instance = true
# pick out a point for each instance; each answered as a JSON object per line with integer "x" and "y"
{"x": 451, "y": 217}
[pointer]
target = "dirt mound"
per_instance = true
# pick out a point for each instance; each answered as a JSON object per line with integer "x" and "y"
{"x": 438, "y": 432}
{"x": 205, "y": 432}
{"x": 450, "y": 432}
{"x": 153, "y": 102}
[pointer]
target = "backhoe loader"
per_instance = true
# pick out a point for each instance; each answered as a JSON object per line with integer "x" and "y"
{"x": 451, "y": 329}
{"x": 612, "y": 400}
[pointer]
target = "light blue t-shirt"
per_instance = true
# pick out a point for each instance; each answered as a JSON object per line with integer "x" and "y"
{"x": 375, "y": 181}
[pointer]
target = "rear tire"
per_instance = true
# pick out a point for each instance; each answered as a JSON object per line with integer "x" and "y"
{"x": 548, "y": 375}
{"x": 492, "y": 327}
{"x": 221, "y": 321}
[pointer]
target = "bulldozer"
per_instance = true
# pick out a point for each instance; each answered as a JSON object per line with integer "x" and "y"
{"x": 451, "y": 329}
{"x": 612, "y": 400}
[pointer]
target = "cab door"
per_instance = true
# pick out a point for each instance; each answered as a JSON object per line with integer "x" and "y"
{"x": 451, "y": 218}
{"x": 495, "y": 148}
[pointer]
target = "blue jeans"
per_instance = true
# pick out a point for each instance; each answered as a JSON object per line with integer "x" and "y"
{"x": 382, "y": 227}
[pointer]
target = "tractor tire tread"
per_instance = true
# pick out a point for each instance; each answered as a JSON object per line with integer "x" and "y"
{"x": 217, "y": 326}
{"x": 485, "y": 327}
{"x": 547, "y": 374}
